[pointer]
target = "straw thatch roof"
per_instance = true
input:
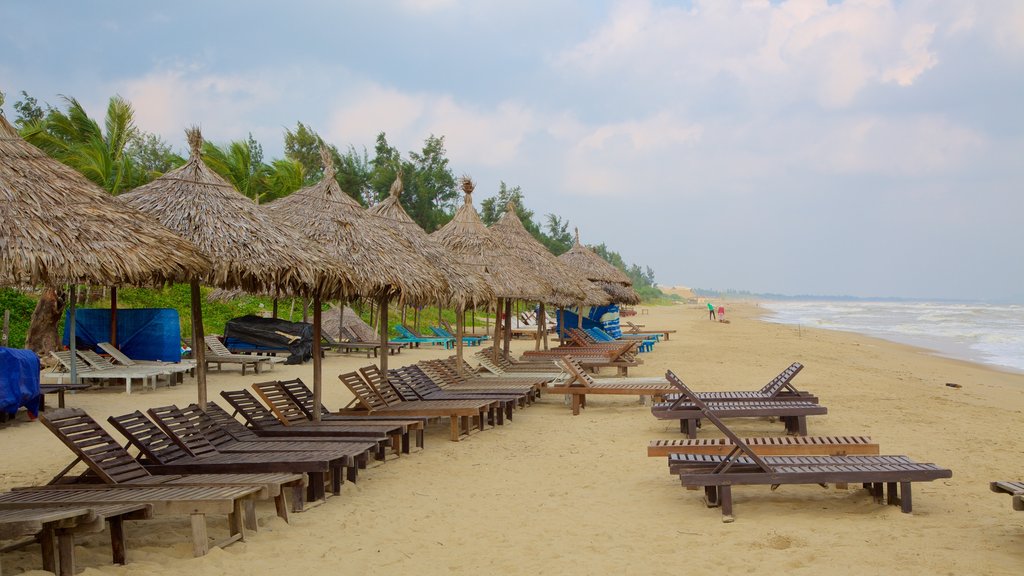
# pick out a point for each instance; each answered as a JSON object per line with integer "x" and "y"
{"x": 383, "y": 263}
{"x": 474, "y": 246}
{"x": 566, "y": 283}
{"x": 466, "y": 285}
{"x": 248, "y": 249}
{"x": 58, "y": 228}
{"x": 601, "y": 272}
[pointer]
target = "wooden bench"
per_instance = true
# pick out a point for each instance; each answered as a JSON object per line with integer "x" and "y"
{"x": 59, "y": 390}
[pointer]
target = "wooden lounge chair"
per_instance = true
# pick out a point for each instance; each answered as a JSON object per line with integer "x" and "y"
{"x": 58, "y": 526}
{"x": 291, "y": 401}
{"x": 122, "y": 359}
{"x": 580, "y": 384}
{"x": 410, "y": 386}
{"x": 643, "y": 343}
{"x": 491, "y": 409}
{"x": 461, "y": 413}
{"x": 217, "y": 353}
{"x": 1014, "y": 489}
{"x": 442, "y": 332}
{"x": 742, "y": 466}
{"x": 768, "y": 446}
{"x": 488, "y": 367}
{"x": 163, "y": 455}
{"x": 779, "y": 388}
{"x": 86, "y": 371}
{"x": 111, "y": 464}
{"x": 631, "y": 328}
{"x": 592, "y": 357}
{"x": 353, "y": 339}
{"x": 445, "y": 374}
{"x": 792, "y": 413}
{"x": 195, "y": 501}
{"x": 265, "y": 424}
{"x": 425, "y": 384}
{"x": 102, "y": 365}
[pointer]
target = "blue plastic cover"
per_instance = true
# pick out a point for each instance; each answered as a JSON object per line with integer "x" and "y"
{"x": 604, "y": 317}
{"x": 142, "y": 333}
{"x": 19, "y": 381}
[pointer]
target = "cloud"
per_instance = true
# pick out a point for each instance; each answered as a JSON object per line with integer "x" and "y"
{"x": 829, "y": 53}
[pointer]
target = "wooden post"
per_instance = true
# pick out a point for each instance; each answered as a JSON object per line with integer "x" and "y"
{"x": 318, "y": 366}
{"x": 416, "y": 318}
{"x": 474, "y": 319}
{"x": 579, "y": 315}
{"x": 113, "y": 316}
{"x": 439, "y": 314}
{"x": 72, "y": 296}
{"x": 561, "y": 323}
{"x": 198, "y": 343}
{"x": 341, "y": 318}
{"x": 460, "y": 330}
{"x": 507, "y": 338}
{"x": 497, "y": 328}
{"x": 382, "y": 317}
{"x": 7, "y": 328}
{"x": 541, "y": 329}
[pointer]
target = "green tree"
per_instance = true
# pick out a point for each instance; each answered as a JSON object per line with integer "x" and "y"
{"x": 386, "y": 163}
{"x": 303, "y": 146}
{"x": 28, "y": 109}
{"x": 152, "y": 155}
{"x": 241, "y": 164}
{"x": 431, "y": 186}
{"x": 354, "y": 173}
{"x": 77, "y": 140}
{"x": 556, "y": 235}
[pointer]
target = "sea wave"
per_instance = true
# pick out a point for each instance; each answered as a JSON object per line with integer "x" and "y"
{"x": 985, "y": 333}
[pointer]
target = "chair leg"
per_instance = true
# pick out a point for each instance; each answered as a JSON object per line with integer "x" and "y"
{"x": 200, "y": 546}
{"x": 906, "y": 501}
{"x": 725, "y": 495}
{"x": 117, "y": 540}
{"x": 892, "y": 498}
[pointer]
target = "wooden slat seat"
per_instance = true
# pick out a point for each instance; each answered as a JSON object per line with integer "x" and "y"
{"x": 580, "y": 383}
{"x": 1014, "y": 489}
{"x": 217, "y": 353}
{"x": 778, "y": 388}
{"x": 768, "y": 446}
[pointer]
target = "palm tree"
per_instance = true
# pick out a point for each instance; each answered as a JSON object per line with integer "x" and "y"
{"x": 77, "y": 140}
{"x": 241, "y": 163}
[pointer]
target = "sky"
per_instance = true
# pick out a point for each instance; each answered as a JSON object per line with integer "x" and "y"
{"x": 861, "y": 147}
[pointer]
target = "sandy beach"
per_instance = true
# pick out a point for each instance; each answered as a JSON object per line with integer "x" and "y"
{"x": 555, "y": 494}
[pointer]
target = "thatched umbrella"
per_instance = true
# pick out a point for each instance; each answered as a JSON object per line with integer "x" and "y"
{"x": 567, "y": 285}
{"x": 60, "y": 228}
{"x": 613, "y": 281}
{"x": 385, "y": 264}
{"x": 467, "y": 237}
{"x": 466, "y": 286}
{"x": 248, "y": 249}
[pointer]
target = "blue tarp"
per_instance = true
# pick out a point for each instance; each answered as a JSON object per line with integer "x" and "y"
{"x": 142, "y": 333}
{"x": 19, "y": 381}
{"x": 604, "y": 317}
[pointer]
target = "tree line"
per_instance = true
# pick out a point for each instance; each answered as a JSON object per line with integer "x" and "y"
{"x": 118, "y": 156}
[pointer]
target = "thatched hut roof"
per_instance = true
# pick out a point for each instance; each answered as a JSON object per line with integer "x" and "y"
{"x": 468, "y": 238}
{"x": 566, "y": 283}
{"x": 598, "y": 270}
{"x": 58, "y": 228}
{"x": 248, "y": 249}
{"x": 466, "y": 285}
{"x": 383, "y": 262}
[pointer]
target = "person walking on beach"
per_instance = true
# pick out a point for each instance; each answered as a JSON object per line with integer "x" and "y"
{"x": 721, "y": 313}
{"x": 711, "y": 311}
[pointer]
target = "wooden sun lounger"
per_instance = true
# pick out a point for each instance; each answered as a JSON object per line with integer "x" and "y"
{"x": 176, "y": 368}
{"x": 57, "y": 527}
{"x": 411, "y": 387}
{"x": 424, "y": 383}
{"x": 446, "y": 375}
{"x": 743, "y": 466}
{"x": 111, "y": 464}
{"x": 290, "y": 414}
{"x": 631, "y": 328}
{"x": 768, "y": 446}
{"x": 580, "y": 384}
{"x": 195, "y": 501}
{"x": 491, "y": 410}
{"x": 488, "y": 366}
{"x": 461, "y": 413}
{"x": 217, "y": 353}
{"x": 792, "y": 413}
{"x": 1014, "y": 489}
{"x": 302, "y": 397}
{"x": 163, "y": 455}
{"x": 779, "y": 388}
{"x": 87, "y": 371}
{"x": 262, "y": 422}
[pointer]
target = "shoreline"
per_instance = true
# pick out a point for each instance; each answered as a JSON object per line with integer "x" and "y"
{"x": 554, "y": 493}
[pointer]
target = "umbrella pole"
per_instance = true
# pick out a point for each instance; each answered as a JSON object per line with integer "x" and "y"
{"x": 474, "y": 319}
{"x": 579, "y": 316}
{"x": 198, "y": 343}
{"x": 497, "y": 329}
{"x": 507, "y": 338}
{"x": 318, "y": 365}
{"x": 561, "y": 322}
{"x": 341, "y": 318}
{"x": 113, "y": 316}
{"x": 71, "y": 334}
{"x": 382, "y": 317}
{"x": 460, "y": 329}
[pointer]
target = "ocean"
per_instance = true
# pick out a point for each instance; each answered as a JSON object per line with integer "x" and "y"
{"x": 990, "y": 334}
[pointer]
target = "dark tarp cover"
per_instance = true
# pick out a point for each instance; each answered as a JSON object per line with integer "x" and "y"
{"x": 19, "y": 381}
{"x": 269, "y": 334}
{"x": 142, "y": 333}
